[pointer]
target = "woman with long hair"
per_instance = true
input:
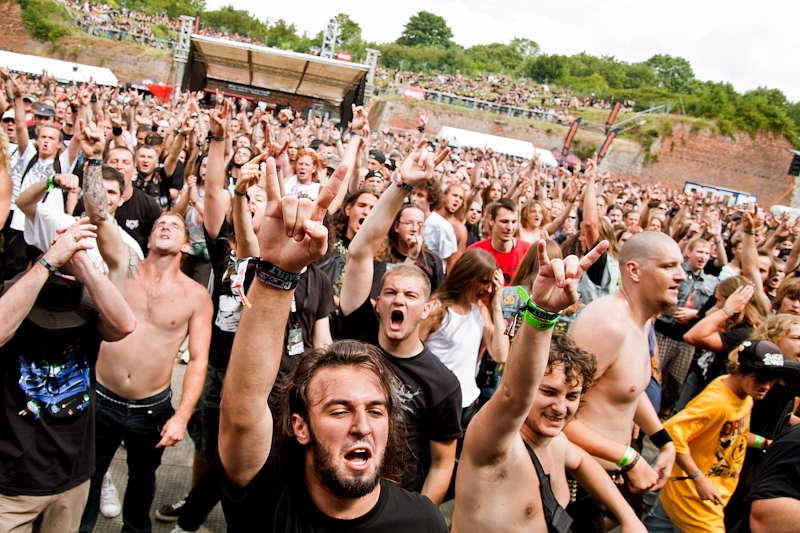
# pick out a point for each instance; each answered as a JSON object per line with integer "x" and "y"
{"x": 492, "y": 193}
{"x": 728, "y": 319}
{"x": 460, "y": 326}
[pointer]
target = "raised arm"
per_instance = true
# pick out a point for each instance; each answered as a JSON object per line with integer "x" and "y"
{"x": 118, "y": 256}
{"x": 17, "y": 302}
{"x": 590, "y": 225}
{"x": 749, "y": 255}
{"x": 493, "y": 430}
{"x": 218, "y": 199}
{"x": 291, "y": 237}
{"x": 352, "y": 179}
{"x": 705, "y": 334}
{"x": 246, "y": 238}
{"x": 359, "y": 269}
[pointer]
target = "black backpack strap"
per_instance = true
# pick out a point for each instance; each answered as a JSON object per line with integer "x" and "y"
{"x": 558, "y": 521}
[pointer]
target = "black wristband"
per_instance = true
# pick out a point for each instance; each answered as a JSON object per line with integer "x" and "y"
{"x": 282, "y": 125}
{"x": 117, "y": 131}
{"x": 91, "y": 162}
{"x": 356, "y": 133}
{"x": 539, "y": 313}
{"x": 405, "y": 186}
{"x": 421, "y": 129}
{"x": 220, "y": 139}
{"x": 660, "y": 438}
{"x": 274, "y": 276}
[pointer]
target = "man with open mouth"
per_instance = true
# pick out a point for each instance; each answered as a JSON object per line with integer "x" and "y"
{"x": 338, "y": 436}
{"x": 430, "y": 394}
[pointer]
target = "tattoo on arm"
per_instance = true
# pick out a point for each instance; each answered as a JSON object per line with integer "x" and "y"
{"x": 133, "y": 260}
{"x": 94, "y": 190}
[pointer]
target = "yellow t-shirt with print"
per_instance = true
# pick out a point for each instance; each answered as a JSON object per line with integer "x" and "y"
{"x": 712, "y": 428}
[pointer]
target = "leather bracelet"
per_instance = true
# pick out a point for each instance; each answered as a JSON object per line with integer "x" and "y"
{"x": 53, "y": 270}
{"x": 220, "y": 139}
{"x": 629, "y": 466}
{"x": 237, "y": 193}
{"x": 660, "y": 438}
{"x": 276, "y": 277}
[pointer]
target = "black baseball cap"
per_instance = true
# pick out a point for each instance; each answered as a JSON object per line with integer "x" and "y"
{"x": 761, "y": 357}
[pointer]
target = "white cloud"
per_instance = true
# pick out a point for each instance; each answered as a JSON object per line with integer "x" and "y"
{"x": 749, "y": 44}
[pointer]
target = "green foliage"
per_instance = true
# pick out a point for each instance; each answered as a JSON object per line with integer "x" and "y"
{"x": 173, "y": 8}
{"x": 524, "y": 47}
{"x": 546, "y": 69}
{"x": 426, "y": 29}
{"x": 231, "y": 20}
{"x": 494, "y": 57}
{"x": 674, "y": 73}
{"x": 45, "y": 20}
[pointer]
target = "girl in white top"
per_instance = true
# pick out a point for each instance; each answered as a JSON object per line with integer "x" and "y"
{"x": 304, "y": 184}
{"x": 460, "y": 326}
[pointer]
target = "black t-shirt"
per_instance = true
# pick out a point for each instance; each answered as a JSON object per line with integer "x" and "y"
{"x": 47, "y": 415}
{"x": 429, "y": 262}
{"x": 278, "y": 501}
{"x": 136, "y": 216}
{"x": 779, "y": 475}
{"x": 158, "y": 186}
{"x": 227, "y": 305}
{"x": 430, "y": 398}
{"x": 313, "y": 300}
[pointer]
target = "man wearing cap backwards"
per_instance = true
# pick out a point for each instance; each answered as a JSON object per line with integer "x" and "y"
{"x": 710, "y": 437}
{"x": 49, "y": 337}
{"x": 134, "y": 375}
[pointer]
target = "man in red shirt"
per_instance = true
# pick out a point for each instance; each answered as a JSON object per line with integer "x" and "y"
{"x": 507, "y": 250}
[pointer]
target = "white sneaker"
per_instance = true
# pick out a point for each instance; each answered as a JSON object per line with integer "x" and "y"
{"x": 109, "y": 498}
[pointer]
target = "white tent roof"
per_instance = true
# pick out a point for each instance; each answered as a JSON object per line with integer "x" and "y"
{"x": 63, "y": 71}
{"x": 458, "y": 137}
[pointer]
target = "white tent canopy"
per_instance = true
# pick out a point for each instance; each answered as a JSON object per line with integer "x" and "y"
{"x": 458, "y": 138}
{"x": 63, "y": 71}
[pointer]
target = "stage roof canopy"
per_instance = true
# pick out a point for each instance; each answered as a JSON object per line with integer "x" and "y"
{"x": 279, "y": 70}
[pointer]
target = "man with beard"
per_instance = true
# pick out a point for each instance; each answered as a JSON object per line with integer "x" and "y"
{"x": 675, "y": 355}
{"x": 452, "y": 210}
{"x": 615, "y": 328}
{"x": 241, "y": 156}
{"x": 336, "y": 434}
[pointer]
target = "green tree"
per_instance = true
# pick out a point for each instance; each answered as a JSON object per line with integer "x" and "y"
{"x": 525, "y": 47}
{"x": 674, "y": 73}
{"x": 545, "y": 68}
{"x": 350, "y": 36}
{"x": 231, "y": 20}
{"x": 426, "y": 29}
{"x": 282, "y": 35}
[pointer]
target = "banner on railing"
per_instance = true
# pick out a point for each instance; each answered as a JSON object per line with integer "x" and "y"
{"x": 414, "y": 93}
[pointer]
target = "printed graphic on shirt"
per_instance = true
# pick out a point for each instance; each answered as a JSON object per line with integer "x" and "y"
{"x": 731, "y": 448}
{"x": 58, "y": 390}
{"x": 405, "y": 394}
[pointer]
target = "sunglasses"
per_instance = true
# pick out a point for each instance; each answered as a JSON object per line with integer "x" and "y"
{"x": 8, "y": 120}
{"x": 472, "y": 209}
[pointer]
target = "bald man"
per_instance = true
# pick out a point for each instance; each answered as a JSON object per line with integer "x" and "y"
{"x": 650, "y": 270}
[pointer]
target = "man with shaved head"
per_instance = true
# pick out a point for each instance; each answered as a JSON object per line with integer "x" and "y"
{"x": 650, "y": 270}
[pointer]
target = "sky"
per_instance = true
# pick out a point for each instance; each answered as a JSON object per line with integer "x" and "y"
{"x": 749, "y": 44}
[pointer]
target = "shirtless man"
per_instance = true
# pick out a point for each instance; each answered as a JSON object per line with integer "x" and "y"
{"x": 498, "y": 484}
{"x": 133, "y": 375}
{"x": 452, "y": 210}
{"x": 651, "y": 269}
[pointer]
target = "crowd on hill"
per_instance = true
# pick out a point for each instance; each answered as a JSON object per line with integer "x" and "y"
{"x": 357, "y": 309}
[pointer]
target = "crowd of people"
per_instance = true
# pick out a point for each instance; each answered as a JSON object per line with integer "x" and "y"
{"x": 103, "y": 20}
{"x": 375, "y": 325}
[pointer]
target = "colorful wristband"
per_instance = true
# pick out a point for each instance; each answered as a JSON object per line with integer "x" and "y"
{"x": 274, "y": 276}
{"x": 536, "y": 322}
{"x": 759, "y": 442}
{"x": 696, "y": 475}
{"x": 535, "y": 310}
{"x": 51, "y": 184}
{"x": 630, "y": 455}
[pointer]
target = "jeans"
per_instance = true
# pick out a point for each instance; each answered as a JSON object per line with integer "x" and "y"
{"x": 658, "y": 521}
{"x": 139, "y": 423}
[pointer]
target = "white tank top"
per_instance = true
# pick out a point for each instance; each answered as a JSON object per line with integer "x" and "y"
{"x": 456, "y": 344}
